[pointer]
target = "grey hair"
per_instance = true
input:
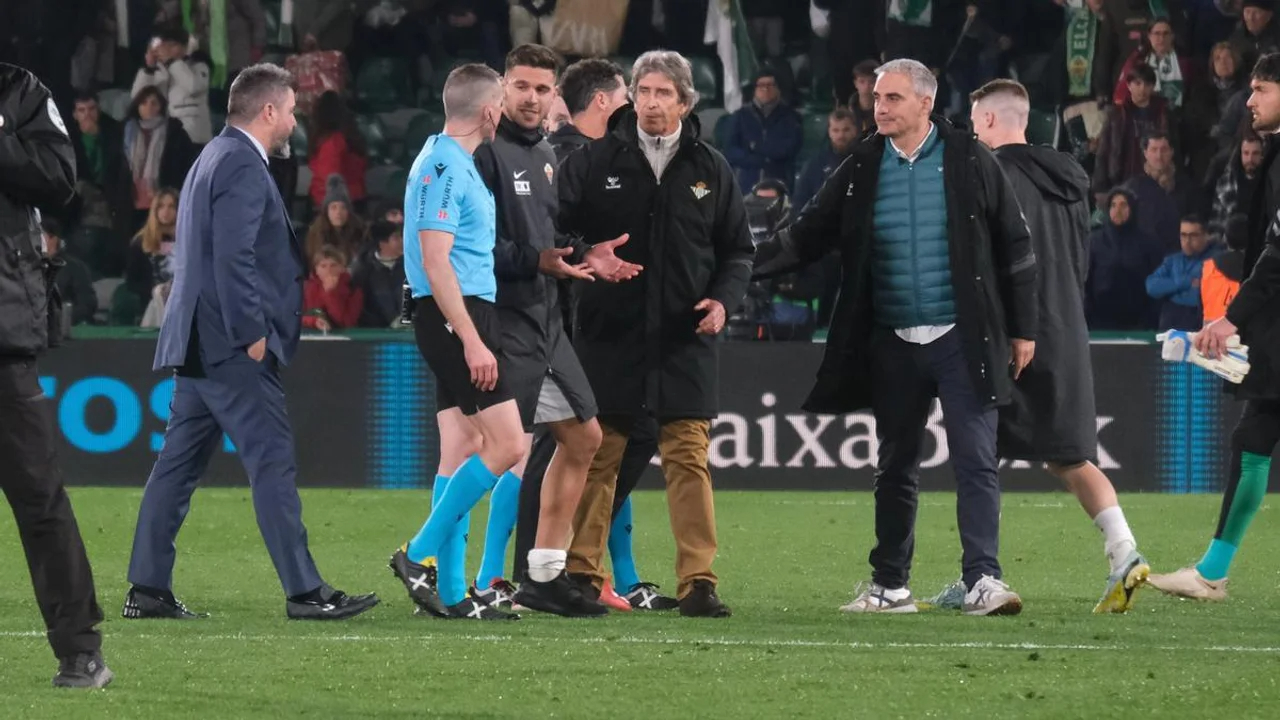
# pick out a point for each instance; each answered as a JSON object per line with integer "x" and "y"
{"x": 671, "y": 64}
{"x": 255, "y": 87}
{"x": 922, "y": 78}
{"x": 469, "y": 88}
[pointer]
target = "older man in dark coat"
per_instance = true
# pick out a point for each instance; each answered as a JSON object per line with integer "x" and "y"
{"x": 1051, "y": 418}
{"x": 937, "y": 301}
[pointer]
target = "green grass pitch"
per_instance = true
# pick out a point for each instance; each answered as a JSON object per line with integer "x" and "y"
{"x": 787, "y": 561}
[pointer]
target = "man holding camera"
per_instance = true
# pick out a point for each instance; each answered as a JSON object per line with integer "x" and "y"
{"x": 37, "y": 169}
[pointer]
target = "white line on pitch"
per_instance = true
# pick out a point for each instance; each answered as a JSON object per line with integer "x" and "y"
{"x": 922, "y": 503}
{"x": 641, "y": 640}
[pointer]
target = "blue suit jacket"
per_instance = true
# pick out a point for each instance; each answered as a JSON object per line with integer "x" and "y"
{"x": 238, "y": 266}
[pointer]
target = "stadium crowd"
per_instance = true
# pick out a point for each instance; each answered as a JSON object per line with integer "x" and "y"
{"x": 1147, "y": 94}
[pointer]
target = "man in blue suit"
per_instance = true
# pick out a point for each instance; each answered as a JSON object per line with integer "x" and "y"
{"x": 232, "y": 321}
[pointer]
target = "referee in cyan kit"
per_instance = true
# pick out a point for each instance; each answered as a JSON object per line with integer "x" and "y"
{"x": 38, "y": 169}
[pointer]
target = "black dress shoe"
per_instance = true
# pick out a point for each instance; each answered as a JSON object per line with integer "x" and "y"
{"x": 560, "y": 596}
{"x": 86, "y": 670}
{"x": 329, "y": 604}
{"x": 143, "y": 605}
{"x": 702, "y": 601}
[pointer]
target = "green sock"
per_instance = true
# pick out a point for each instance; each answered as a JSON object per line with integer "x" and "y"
{"x": 1250, "y": 491}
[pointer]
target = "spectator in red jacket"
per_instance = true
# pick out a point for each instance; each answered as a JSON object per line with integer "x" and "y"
{"x": 332, "y": 302}
{"x": 334, "y": 145}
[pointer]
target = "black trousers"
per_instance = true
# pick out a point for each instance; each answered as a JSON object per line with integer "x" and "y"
{"x": 641, "y": 446}
{"x": 50, "y": 537}
{"x": 1257, "y": 433}
{"x": 905, "y": 379}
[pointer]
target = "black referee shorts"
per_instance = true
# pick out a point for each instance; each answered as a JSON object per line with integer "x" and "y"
{"x": 442, "y": 350}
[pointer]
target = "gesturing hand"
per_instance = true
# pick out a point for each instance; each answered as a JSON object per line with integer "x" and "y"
{"x": 551, "y": 262}
{"x": 713, "y": 322}
{"x": 483, "y": 366}
{"x": 607, "y": 265}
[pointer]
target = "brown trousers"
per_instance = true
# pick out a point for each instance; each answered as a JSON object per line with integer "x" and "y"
{"x": 682, "y": 444}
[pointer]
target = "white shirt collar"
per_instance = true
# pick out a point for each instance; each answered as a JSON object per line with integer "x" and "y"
{"x": 261, "y": 150}
{"x": 655, "y": 142}
{"x": 915, "y": 153}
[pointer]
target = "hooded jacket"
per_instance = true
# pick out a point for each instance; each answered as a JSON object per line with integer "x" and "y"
{"x": 37, "y": 170}
{"x": 1120, "y": 258}
{"x": 637, "y": 339}
{"x": 1050, "y": 417}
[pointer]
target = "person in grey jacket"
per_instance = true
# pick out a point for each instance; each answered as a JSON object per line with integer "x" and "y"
{"x": 536, "y": 360}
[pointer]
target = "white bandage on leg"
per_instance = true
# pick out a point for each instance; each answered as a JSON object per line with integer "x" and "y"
{"x": 1179, "y": 346}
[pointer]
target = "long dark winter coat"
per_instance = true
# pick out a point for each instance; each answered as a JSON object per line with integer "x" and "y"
{"x": 637, "y": 339}
{"x": 993, "y": 268}
{"x": 1051, "y": 416}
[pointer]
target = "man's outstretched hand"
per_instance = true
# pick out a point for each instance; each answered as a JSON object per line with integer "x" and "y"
{"x": 608, "y": 266}
{"x": 551, "y": 262}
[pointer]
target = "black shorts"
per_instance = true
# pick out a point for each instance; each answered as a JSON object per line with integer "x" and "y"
{"x": 442, "y": 350}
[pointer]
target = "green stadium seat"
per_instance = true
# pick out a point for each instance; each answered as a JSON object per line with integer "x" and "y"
{"x": 721, "y": 135}
{"x": 709, "y": 120}
{"x": 383, "y": 85}
{"x": 420, "y": 128}
{"x": 815, "y": 133}
{"x": 298, "y": 141}
{"x": 706, "y": 80}
{"x": 375, "y": 137}
{"x": 114, "y": 102}
{"x": 385, "y": 181}
{"x": 1044, "y": 127}
{"x": 626, "y": 61}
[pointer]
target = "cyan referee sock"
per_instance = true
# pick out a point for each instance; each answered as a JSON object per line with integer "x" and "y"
{"x": 467, "y": 486}
{"x": 452, "y": 562}
{"x": 503, "y": 506}
{"x": 621, "y": 553}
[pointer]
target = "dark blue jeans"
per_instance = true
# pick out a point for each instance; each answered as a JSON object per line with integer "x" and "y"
{"x": 906, "y": 377}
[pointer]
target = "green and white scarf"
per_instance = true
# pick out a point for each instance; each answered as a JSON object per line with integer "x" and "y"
{"x": 912, "y": 12}
{"x": 1082, "y": 43}
{"x": 1169, "y": 82}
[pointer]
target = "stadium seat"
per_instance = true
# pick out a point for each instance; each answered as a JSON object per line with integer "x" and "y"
{"x": 420, "y": 128}
{"x": 706, "y": 80}
{"x": 626, "y": 61}
{"x": 815, "y": 133}
{"x": 721, "y": 133}
{"x": 383, "y": 85}
{"x": 1044, "y": 127}
{"x": 396, "y": 123}
{"x": 381, "y": 178}
{"x": 298, "y": 141}
{"x": 114, "y": 102}
{"x": 304, "y": 181}
{"x": 375, "y": 137}
{"x": 271, "y": 11}
{"x": 709, "y": 120}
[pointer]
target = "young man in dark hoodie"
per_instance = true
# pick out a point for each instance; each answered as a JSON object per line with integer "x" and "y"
{"x": 1052, "y": 418}
{"x": 593, "y": 89}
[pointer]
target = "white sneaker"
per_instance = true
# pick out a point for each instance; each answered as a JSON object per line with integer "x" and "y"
{"x": 990, "y": 596}
{"x": 1189, "y": 583}
{"x": 874, "y": 600}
